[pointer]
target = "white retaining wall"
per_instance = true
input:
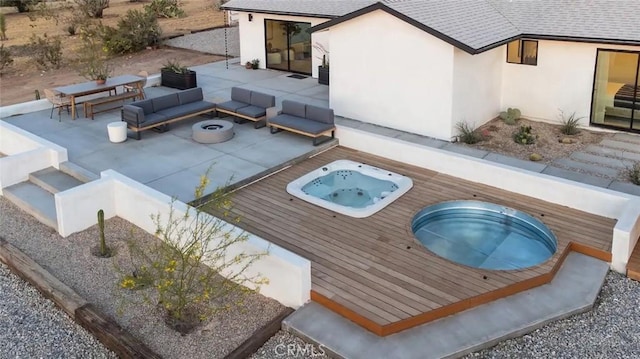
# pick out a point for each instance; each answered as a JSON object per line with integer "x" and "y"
{"x": 289, "y": 274}
{"x": 591, "y": 199}
{"x": 25, "y": 153}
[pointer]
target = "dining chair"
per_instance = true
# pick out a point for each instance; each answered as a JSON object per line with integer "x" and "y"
{"x": 142, "y": 74}
{"x": 58, "y": 101}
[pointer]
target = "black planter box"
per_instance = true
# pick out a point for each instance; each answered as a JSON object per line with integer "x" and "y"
{"x": 179, "y": 81}
{"x": 323, "y": 75}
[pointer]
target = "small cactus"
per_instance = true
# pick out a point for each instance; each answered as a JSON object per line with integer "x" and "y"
{"x": 510, "y": 116}
{"x": 37, "y": 94}
{"x": 104, "y": 251}
{"x": 535, "y": 157}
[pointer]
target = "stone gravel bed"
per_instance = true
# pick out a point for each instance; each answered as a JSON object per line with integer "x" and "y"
{"x": 95, "y": 279}
{"x": 33, "y": 327}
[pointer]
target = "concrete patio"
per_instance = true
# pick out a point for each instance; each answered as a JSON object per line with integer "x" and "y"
{"x": 171, "y": 162}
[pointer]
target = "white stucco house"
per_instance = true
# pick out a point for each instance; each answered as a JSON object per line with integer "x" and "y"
{"x": 422, "y": 66}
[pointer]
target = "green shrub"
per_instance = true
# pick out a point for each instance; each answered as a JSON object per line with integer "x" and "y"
{"x": 510, "y": 116}
{"x": 634, "y": 173}
{"x": 5, "y": 58}
{"x": 3, "y": 27}
{"x": 467, "y": 133}
{"x": 175, "y": 66}
{"x": 524, "y": 136}
{"x": 135, "y": 31}
{"x": 21, "y": 5}
{"x": 569, "y": 124}
{"x": 165, "y": 8}
{"x": 183, "y": 266}
{"x": 47, "y": 51}
{"x": 92, "y": 8}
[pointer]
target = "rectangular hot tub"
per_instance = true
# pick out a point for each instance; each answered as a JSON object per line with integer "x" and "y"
{"x": 350, "y": 188}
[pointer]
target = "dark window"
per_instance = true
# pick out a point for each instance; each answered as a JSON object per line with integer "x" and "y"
{"x": 522, "y": 52}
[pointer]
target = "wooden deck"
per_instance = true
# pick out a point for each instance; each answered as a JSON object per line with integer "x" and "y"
{"x": 375, "y": 273}
{"x": 633, "y": 267}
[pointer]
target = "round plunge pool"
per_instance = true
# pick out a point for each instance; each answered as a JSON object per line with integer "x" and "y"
{"x": 484, "y": 235}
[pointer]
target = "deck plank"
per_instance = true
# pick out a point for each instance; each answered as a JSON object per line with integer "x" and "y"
{"x": 374, "y": 266}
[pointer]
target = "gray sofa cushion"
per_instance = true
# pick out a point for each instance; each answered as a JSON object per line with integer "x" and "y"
{"x": 241, "y": 95}
{"x": 232, "y": 106}
{"x": 301, "y": 124}
{"x": 190, "y": 95}
{"x": 146, "y": 105}
{"x": 293, "y": 108}
{"x": 184, "y": 110}
{"x": 253, "y": 111}
{"x": 166, "y": 101}
{"x": 154, "y": 118}
{"x": 320, "y": 114}
{"x": 263, "y": 100}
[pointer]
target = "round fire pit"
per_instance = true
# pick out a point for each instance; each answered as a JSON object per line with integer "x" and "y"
{"x": 212, "y": 131}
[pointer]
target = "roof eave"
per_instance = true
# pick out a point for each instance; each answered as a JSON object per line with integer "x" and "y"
{"x": 274, "y": 12}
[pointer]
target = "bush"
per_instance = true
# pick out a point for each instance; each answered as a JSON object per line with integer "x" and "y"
{"x": 135, "y": 31}
{"x": 524, "y": 136}
{"x": 569, "y": 124}
{"x": 467, "y": 133}
{"x": 184, "y": 264}
{"x": 165, "y": 8}
{"x": 510, "y": 116}
{"x": 92, "y": 8}
{"x": 21, "y": 5}
{"x": 3, "y": 27}
{"x": 634, "y": 173}
{"x": 5, "y": 58}
{"x": 47, "y": 51}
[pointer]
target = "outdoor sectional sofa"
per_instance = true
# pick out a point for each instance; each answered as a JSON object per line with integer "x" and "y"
{"x": 158, "y": 112}
{"x": 248, "y": 105}
{"x": 308, "y": 120}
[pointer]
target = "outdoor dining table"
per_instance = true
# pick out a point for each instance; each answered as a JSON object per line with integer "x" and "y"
{"x": 91, "y": 87}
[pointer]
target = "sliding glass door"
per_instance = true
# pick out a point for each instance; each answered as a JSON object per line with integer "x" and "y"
{"x": 616, "y": 90}
{"x": 288, "y": 46}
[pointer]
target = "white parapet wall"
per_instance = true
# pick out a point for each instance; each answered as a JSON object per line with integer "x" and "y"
{"x": 25, "y": 153}
{"x": 289, "y": 275}
{"x": 600, "y": 201}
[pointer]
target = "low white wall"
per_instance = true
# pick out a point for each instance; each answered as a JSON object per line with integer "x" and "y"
{"x": 625, "y": 235}
{"x": 289, "y": 275}
{"x": 25, "y": 153}
{"x": 77, "y": 208}
{"x": 591, "y": 199}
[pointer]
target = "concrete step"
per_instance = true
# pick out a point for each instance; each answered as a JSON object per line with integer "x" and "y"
{"x": 620, "y": 145}
{"x": 34, "y": 200}
{"x": 601, "y": 160}
{"x": 627, "y": 137}
{"x": 587, "y": 168}
{"x": 78, "y": 172}
{"x": 573, "y": 290}
{"x": 612, "y": 152}
{"x": 53, "y": 181}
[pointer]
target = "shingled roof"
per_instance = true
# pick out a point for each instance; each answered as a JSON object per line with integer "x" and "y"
{"x": 479, "y": 25}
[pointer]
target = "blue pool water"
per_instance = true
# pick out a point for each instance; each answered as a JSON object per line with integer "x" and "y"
{"x": 484, "y": 235}
{"x": 349, "y": 188}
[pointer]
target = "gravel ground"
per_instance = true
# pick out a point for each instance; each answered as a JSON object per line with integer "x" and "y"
{"x": 33, "y": 327}
{"x": 70, "y": 260}
{"x": 211, "y": 42}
